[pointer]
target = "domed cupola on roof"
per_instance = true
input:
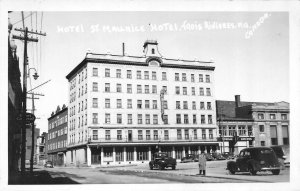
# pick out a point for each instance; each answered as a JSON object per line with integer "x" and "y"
{"x": 151, "y": 52}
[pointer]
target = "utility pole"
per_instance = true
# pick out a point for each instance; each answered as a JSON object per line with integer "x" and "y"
{"x": 33, "y": 129}
{"x": 25, "y": 63}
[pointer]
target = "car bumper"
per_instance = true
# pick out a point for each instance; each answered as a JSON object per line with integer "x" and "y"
{"x": 270, "y": 168}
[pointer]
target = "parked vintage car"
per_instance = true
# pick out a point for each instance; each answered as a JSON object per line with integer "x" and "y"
{"x": 161, "y": 161}
{"x": 218, "y": 156}
{"x": 255, "y": 159}
{"x": 189, "y": 158}
{"x": 48, "y": 164}
{"x": 208, "y": 157}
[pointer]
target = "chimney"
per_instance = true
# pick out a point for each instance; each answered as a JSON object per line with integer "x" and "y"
{"x": 123, "y": 48}
{"x": 237, "y": 101}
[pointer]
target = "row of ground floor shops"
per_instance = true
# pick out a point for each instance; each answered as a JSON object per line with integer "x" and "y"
{"x": 91, "y": 155}
{"x": 98, "y": 154}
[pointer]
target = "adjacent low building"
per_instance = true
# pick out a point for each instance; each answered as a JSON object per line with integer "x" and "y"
{"x": 57, "y": 136}
{"x": 246, "y": 124}
{"x": 123, "y": 109}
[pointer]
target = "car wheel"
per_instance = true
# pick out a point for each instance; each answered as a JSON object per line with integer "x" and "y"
{"x": 252, "y": 171}
{"x": 173, "y": 167}
{"x": 275, "y": 172}
{"x": 231, "y": 170}
{"x": 151, "y": 167}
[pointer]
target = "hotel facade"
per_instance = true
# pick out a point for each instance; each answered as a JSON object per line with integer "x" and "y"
{"x": 123, "y": 109}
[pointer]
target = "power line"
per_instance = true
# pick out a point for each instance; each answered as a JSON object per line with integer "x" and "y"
{"x": 22, "y": 19}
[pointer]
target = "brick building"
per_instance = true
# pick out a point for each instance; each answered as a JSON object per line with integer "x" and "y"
{"x": 56, "y": 140}
{"x": 123, "y": 108}
{"x": 255, "y": 123}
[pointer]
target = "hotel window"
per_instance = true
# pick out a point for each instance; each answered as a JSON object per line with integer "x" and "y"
{"x": 184, "y": 77}
{"x": 166, "y": 135}
{"x": 209, "y": 105}
{"x": 194, "y": 105}
{"x": 129, "y": 103}
{"x": 203, "y": 133}
{"x": 85, "y": 121}
{"x": 272, "y": 116}
{"x": 95, "y": 118}
{"x": 195, "y": 134}
{"x": 107, "y": 103}
{"x": 146, "y": 75}
{"x": 186, "y": 134}
{"x": 284, "y": 116}
{"x": 155, "y": 134}
{"x": 140, "y": 135}
{"x": 179, "y": 135}
{"x": 129, "y": 88}
{"x": 200, "y": 77}
{"x": 201, "y": 91}
{"x": 155, "y": 119}
{"x": 118, "y": 74}
{"x": 193, "y": 91}
{"x": 129, "y": 118}
{"x": 152, "y": 51}
{"x": 262, "y": 143}
{"x": 148, "y": 135}
{"x": 285, "y": 134}
{"x": 210, "y": 119}
{"x": 119, "y": 118}
{"x": 79, "y": 93}
{"x": 147, "y": 104}
{"x": 154, "y": 104}
{"x": 86, "y": 88}
{"x": 139, "y": 104}
{"x": 119, "y": 103}
{"x": 95, "y": 71}
{"x": 273, "y": 132}
{"x": 153, "y": 75}
{"x": 207, "y": 78}
{"x": 192, "y": 77}
{"x": 147, "y": 119}
{"x": 95, "y": 86}
{"x": 250, "y": 131}
{"x": 95, "y": 103}
{"x": 107, "y": 72}
{"x": 184, "y": 91}
{"x": 261, "y": 128}
{"x": 202, "y": 105}
{"x": 178, "y": 118}
{"x": 208, "y": 93}
{"x": 95, "y": 134}
{"x": 107, "y": 118}
{"x": 119, "y": 88}
{"x": 165, "y": 119}
{"x": 79, "y": 79}
{"x": 82, "y": 90}
{"x": 119, "y": 134}
{"x": 232, "y": 130}
{"x": 140, "y": 119}
{"x": 177, "y": 90}
{"x": 107, "y": 87}
{"x": 164, "y": 75}
{"x": 210, "y": 133}
{"x": 202, "y": 119}
{"x": 154, "y": 89}
{"x": 138, "y": 74}
{"x": 85, "y": 73}
{"x": 139, "y": 89}
{"x": 261, "y": 116}
{"x": 185, "y": 105}
{"x": 242, "y": 130}
{"x": 129, "y": 74}
{"x": 177, "y": 104}
{"x": 165, "y": 89}
{"x": 78, "y": 107}
{"x": 222, "y": 131}
{"x": 165, "y": 104}
{"x": 107, "y": 134}
{"x": 186, "y": 119}
{"x": 147, "y": 89}
{"x": 194, "y": 119}
{"x": 176, "y": 76}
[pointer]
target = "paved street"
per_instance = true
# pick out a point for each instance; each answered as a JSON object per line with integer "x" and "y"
{"x": 185, "y": 173}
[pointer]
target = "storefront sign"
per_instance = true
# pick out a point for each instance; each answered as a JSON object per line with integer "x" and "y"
{"x": 246, "y": 139}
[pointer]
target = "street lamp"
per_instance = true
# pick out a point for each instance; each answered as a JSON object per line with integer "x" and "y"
{"x": 35, "y": 75}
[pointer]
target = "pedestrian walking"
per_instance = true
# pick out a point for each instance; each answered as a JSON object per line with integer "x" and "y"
{"x": 202, "y": 164}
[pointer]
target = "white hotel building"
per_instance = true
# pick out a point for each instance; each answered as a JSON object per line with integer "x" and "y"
{"x": 123, "y": 109}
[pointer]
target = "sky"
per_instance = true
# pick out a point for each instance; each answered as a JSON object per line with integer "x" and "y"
{"x": 250, "y": 50}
